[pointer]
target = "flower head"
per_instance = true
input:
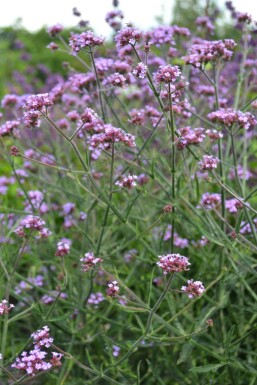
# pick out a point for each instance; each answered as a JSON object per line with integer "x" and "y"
{"x": 127, "y": 182}
{"x": 4, "y": 307}
{"x": 89, "y": 261}
{"x": 173, "y": 263}
{"x": 208, "y": 162}
{"x": 128, "y": 35}
{"x": 167, "y": 74}
{"x": 77, "y": 42}
{"x": 113, "y": 289}
{"x": 193, "y": 288}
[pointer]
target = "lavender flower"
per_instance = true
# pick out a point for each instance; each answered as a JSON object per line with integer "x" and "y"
{"x": 193, "y": 288}
{"x": 208, "y": 162}
{"x": 173, "y": 263}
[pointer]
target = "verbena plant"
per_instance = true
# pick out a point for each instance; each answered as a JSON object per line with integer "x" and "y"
{"x": 128, "y": 211}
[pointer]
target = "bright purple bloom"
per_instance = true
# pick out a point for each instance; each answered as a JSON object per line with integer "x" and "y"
{"x": 233, "y": 205}
{"x": 42, "y": 338}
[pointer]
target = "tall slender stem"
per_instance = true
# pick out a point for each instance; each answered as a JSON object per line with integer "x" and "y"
{"x": 98, "y": 84}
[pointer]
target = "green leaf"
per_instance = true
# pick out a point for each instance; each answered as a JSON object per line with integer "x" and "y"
{"x": 207, "y": 368}
{"x": 185, "y": 353}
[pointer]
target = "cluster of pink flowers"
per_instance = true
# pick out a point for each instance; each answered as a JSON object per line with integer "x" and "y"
{"x": 9, "y": 127}
{"x": 140, "y": 71}
{"x": 128, "y": 35}
{"x": 214, "y": 134}
{"x": 63, "y": 248}
{"x": 54, "y": 30}
{"x": 35, "y": 200}
{"x": 35, "y": 106}
{"x": 127, "y": 182}
{"x": 110, "y": 135}
{"x": 209, "y": 51}
{"x": 209, "y": 162}
{"x": 137, "y": 117}
{"x": 193, "y": 288}
{"x": 78, "y": 42}
{"x": 205, "y": 22}
{"x": 189, "y": 136}
{"x": 164, "y": 34}
{"x": 241, "y": 172}
{"x": 10, "y": 100}
{"x": 4, "y": 307}
{"x": 116, "y": 79}
{"x": 233, "y": 205}
{"x": 36, "y": 360}
{"x": 178, "y": 241}
{"x": 173, "y": 263}
{"x": 113, "y": 18}
{"x": 89, "y": 261}
{"x": 4, "y": 183}
{"x": 32, "y": 222}
{"x": 95, "y": 299}
{"x": 210, "y": 200}
{"x": 113, "y": 289}
{"x": 167, "y": 74}
{"x": 42, "y": 338}
{"x": 38, "y": 102}
{"x": 176, "y": 263}
{"x": 228, "y": 117}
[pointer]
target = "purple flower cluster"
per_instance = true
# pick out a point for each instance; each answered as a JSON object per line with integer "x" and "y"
{"x": 89, "y": 260}
{"x": 110, "y": 135}
{"x": 9, "y": 127}
{"x": 128, "y": 35}
{"x": 36, "y": 360}
{"x": 208, "y": 162}
{"x": 210, "y": 200}
{"x": 78, "y": 42}
{"x": 113, "y": 289}
{"x": 54, "y": 30}
{"x": 189, "y": 136}
{"x": 233, "y": 205}
{"x": 228, "y": 117}
{"x": 35, "y": 106}
{"x": 4, "y": 307}
{"x": 193, "y": 288}
{"x": 127, "y": 182}
{"x": 63, "y": 248}
{"x": 206, "y": 23}
{"x": 95, "y": 299}
{"x": 140, "y": 71}
{"x": 113, "y": 18}
{"x": 173, "y": 263}
{"x": 167, "y": 74}
{"x": 32, "y": 222}
{"x": 209, "y": 52}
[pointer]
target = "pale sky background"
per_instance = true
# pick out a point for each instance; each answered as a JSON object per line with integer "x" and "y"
{"x": 35, "y": 13}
